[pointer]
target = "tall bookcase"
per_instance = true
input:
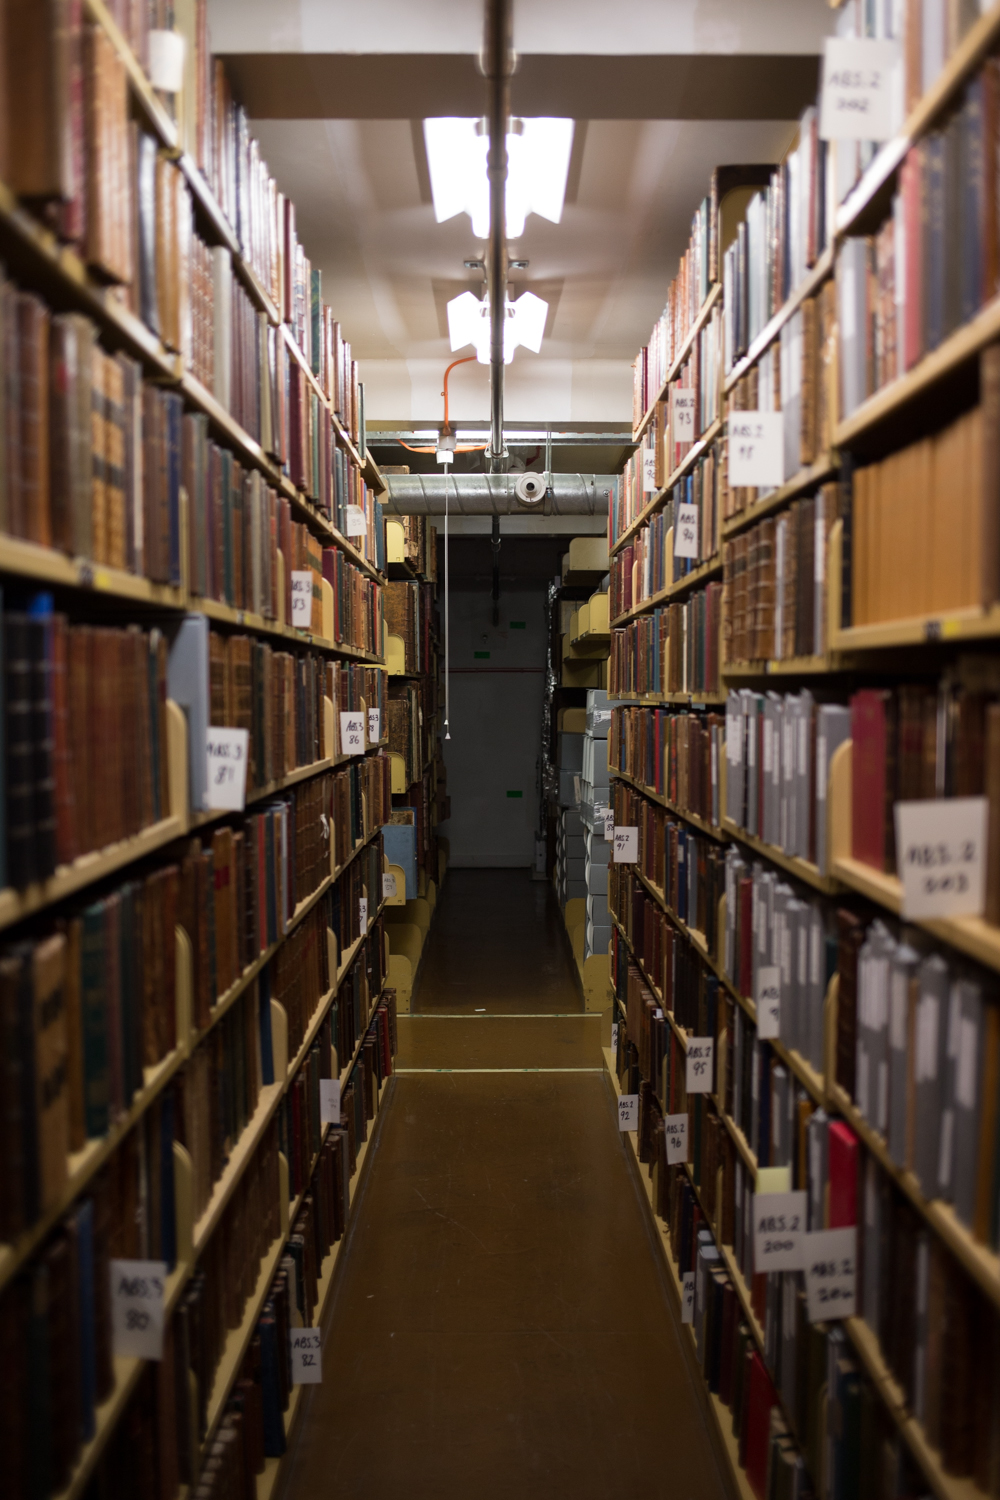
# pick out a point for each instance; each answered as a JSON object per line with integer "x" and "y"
{"x": 823, "y": 652}
{"x": 196, "y": 1025}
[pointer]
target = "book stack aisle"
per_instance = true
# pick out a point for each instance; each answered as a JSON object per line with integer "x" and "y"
{"x": 805, "y": 762}
{"x": 417, "y": 857}
{"x": 195, "y": 1020}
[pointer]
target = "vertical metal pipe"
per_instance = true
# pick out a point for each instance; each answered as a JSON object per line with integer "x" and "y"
{"x": 498, "y": 65}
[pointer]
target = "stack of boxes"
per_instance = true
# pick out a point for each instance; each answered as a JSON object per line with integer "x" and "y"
{"x": 594, "y": 798}
{"x": 571, "y": 852}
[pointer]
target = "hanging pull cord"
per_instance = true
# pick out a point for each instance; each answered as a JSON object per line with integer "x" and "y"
{"x": 447, "y": 622}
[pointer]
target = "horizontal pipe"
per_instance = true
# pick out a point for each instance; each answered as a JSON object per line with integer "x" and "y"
{"x": 494, "y": 495}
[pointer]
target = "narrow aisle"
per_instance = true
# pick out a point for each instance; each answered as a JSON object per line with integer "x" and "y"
{"x": 500, "y": 1322}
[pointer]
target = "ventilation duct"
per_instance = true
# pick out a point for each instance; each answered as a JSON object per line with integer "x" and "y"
{"x": 495, "y": 495}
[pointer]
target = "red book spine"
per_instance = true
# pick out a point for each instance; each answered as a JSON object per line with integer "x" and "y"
{"x": 868, "y": 732}
{"x": 843, "y": 1175}
{"x": 910, "y": 180}
{"x": 760, "y": 1399}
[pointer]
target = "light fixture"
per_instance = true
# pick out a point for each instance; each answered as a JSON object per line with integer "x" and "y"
{"x": 469, "y": 323}
{"x": 538, "y": 153}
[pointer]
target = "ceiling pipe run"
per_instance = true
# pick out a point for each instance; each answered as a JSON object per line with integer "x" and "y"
{"x": 495, "y": 495}
{"x": 497, "y": 65}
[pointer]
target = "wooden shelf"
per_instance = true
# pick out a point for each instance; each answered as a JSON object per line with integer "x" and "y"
{"x": 711, "y": 568}
{"x": 810, "y": 283}
{"x": 687, "y": 462}
{"x": 84, "y": 1164}
{"x": 814, "y": 474}
{"x": 802, "y": 869}
{"x": 689, "y": 817}
{"x": 245, "y": 619}
{"x": 945, "y": 1486}
{"x": 721, "y": 1414}
{"x": 977, "y": 1259}
{"x": 793, "y": 666}
{"x": 971, "y": 935}
{"x": 958, "y": 625}
{"x": 683, "y": 354}
{"x": 962, "y": 345}
{"x": 86, "y": 870}
{"x": 682, "y": 700}
{"x": 969, "y": 53}
{"x": 267, "y": 1481}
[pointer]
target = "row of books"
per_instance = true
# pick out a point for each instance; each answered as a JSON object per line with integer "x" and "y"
{"x": 897, "y": 1253}
{"x": 918, "y": 741}
{"x": 774, "y": 923}
{"x": 409, "y": 614}
{"x": 778, "y": 752}
{"x": 412, "y": 725}
{"x": 792, "y": 376}
{"x": 687, "y": 868}
{"x": 688, "y": 290}
{"x": 919, "y": 529}
{"x": 99, "y": 463}
{"x": 676, "y": 755}
{"x": 84, "y": 734}
{"x": 649, "y": 562}
{"x": 936, "y": 260}
{"x": 925, "y": 1030}
{"x": 674, "y": 649}
{"x": 775, "y": 576}
{"x": 786, "y": 228}
{"x": 89, "y": 1008}
{"x": 419, "y": 536}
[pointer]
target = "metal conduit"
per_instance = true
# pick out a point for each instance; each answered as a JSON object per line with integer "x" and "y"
{"x": 494, "y": 495}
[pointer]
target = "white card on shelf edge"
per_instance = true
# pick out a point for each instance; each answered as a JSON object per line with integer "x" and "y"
{"x": 307, "y": 1356}
{"x": 352, "y": 734}
{"x": 226, "y": 786}
{"x": 941, "y": 854}
{"x": 137, "y": 1293}
{"x": 302, "y": 598}
{"x": 628, "y": 1111}
{"x": 626, "y": 846}
{"x": 756, "y": 448}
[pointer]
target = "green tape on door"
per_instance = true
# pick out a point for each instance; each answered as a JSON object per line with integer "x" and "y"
{"x": 515, "y": 794}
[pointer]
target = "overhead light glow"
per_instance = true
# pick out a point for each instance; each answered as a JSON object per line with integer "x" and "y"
{"x": 469, "y": 323}
{"x": 538, "y": 153}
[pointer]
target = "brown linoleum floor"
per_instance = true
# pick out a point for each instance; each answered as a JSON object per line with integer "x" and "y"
{"x": 500, "y": 1323}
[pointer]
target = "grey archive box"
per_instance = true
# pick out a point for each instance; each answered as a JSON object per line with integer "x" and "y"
{"x": 598, "y": 713}
{"x": 569, "y": 751}
{"x": 572, "y": 822}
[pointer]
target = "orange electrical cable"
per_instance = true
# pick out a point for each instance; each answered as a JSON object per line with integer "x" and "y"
{"x": 463, "y": 361}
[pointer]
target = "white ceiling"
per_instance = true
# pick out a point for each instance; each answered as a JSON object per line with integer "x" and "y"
{"x": 364, "y": 215}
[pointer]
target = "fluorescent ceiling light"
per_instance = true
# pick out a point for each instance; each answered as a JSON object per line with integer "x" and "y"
{"x": 469, "y": 323}
{"x": 538, "y": 164}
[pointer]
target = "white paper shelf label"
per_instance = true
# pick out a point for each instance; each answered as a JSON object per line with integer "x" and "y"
{"x": 756, "y": 448}
{"x": 829, "y": 1259}
{"x": 374, "y": 723}
{"x": 941, "y": 854}
{"x": 227, "y": 769}
{"x": 686, "y": 531}
{"x": 687, "y": 1297}
{"x": 307, "y": 1356}
{"x": 628, "y": 1111}
{"x": 329, "y": 1101}
{"x": 302, "y": 599}
{"x": 779, "y": 1222}
{"x": 609, "y": 826}
{"x": 388, "y": 886}
{"x": 648, "y": 471}
{"x": 626, "y": 846}
{"x": 675, "y": 1130}
{"x": 355, "y": 521}
{"x": 768, "y": 1002}
{"x": 614, "y": 1037}
{"x": 860, "y": 77}
{"x": 684, "y": 409}
{"x": 352, "y": 734}
{"x": 363, "y": 914}
{"x": 137, "y": 1291}
{"x": 700, "y": 1064}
